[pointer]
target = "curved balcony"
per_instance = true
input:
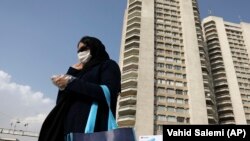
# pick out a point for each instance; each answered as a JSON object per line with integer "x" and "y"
{"x": 224, "y": 102}
{"x": 225, "y": 109}
{"x": 223, "y": 97}
{"x": 127, "y": 100}
{"x": 228, "y": 122}
{"x": 130, "y": 90}
{"x": 216, "y": 57}
{"x": 128, "y": 120}
{"x": 218, "y": 84}
{"x": 130, "y": 67}
{"x": 228, "y": 115}
{"x": 134, "y": 20}
{"x": 127, "y": 110}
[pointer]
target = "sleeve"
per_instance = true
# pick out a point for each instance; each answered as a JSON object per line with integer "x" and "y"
{"x": 71, "y": 71}
{"x": 110, "y": 76}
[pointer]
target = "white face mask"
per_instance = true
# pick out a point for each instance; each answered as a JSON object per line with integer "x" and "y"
{"x": 84, "y": 56}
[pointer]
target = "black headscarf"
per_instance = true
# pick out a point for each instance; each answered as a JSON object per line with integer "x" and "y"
{"x": 97, "y": 50}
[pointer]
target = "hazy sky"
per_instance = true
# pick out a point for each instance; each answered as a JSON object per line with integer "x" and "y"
{"x": 38, "y": 39}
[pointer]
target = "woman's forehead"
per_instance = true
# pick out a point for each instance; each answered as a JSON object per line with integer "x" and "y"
{"x": 81, "y": 45}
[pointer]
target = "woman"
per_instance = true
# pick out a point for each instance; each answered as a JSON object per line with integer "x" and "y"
{"x": 79, "y": 88}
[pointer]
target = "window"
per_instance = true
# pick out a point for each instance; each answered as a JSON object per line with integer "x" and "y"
{"x": 177, "y": 60}
{"x": 168, "y": 45}
{"x": 171, "y": 118}
{"x": 160, "y": 90}
{"x": 160, "y": 20}
{"x": 161, "y": 108}
{"x": 160, "y": 65}
{"x": 168, "y": 66}
{"x": 170, "y": 82}
{"x": 159, "y": 37}
{"x": 177, "y": 53}
{"x": 160, "y": 73}
{"x": 161, "y": 59}
{"x": 178, "y": 75}
{"x": 161, "y": 118}
{"x": 171, "y": 109}
{"x": 161, "y": 81}
{"x": 169, "y": 59}
{"x": 180, "y": 110}
{"x": 170, "y": 100}
{"x": 179, "y": 101}
{"x": 170, "y": 74}
{"x": 177, "y": 67}
{"x": 170, "y": 91}
{"x": 159, "y": 127}
{"x": 160, "y": 51}
{"x": 161, "y": 99}
{"x": 159, "y": 44}
{"x": 180, "y": 119}
{"x": 180, "y": 92}
{"x": 179, "y": 84}
{"x": 159, "y": 25}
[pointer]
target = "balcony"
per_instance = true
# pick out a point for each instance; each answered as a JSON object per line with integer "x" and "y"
{"x": 211, "y": 37}
{"x": 210, "y": 101}
{"x": 130, "y": 67}
{"x": 225, "y": 109}
{"x": 219, "y": 91}
{"x": 129, "y": 73}
{"x": 127, "y": 110}
{"x": 134, "y": 14}
{"x": 217, "y": 62}
{"x": 210, "y": 32}
{"x": 131, "y": 59}
{"x": 133, "y": 39}
{"x": 134, "y": 7}
{"x": 134, "y": 20}
{"x": 131, "y": 56}
{"x": 131, "y": 81}
{"x": 217, "y": 67}
{"x": 212, "y": 119}
{"x": 224, "y": 102}
{"x": 129, "y": 90}
{"x": 218, "y": 84}
{"x": 228, "y": 115}
{"x": 215, "y": 51}
{"x": 127, "y": 100}
{"x": 223, "y": 97}
{"x": 216, "y": 73}
{"x": 228, "y": 122}
{"x": 133, "y": 30}
{"x": 131, "y": 51}
{"x": 219, "y": 78}
{"x": 132, "y": 45}
{"x": 216, "y": 57}
{"x": 128, "y": 120}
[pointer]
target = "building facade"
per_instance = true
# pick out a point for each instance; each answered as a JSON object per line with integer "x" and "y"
{"x": 166, "y": 75}
{"x": 229, "y": 47}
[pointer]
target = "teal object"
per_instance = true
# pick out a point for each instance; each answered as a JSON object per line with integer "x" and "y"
{"x": 90, "y": 126}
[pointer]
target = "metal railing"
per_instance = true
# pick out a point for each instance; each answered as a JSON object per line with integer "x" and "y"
{"x": 18, "y": 132}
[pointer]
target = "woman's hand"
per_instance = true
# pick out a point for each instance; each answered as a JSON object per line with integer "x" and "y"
{"x": 60, "y": 81}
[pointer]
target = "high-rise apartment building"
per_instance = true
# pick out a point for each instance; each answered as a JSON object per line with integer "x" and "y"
{"x": 229, "y": 52}
{"x": 166, "y": 77}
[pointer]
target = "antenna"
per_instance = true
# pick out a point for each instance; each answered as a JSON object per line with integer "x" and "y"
{"x": 210, "y": 12}
{"x": 241, "y": 20}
